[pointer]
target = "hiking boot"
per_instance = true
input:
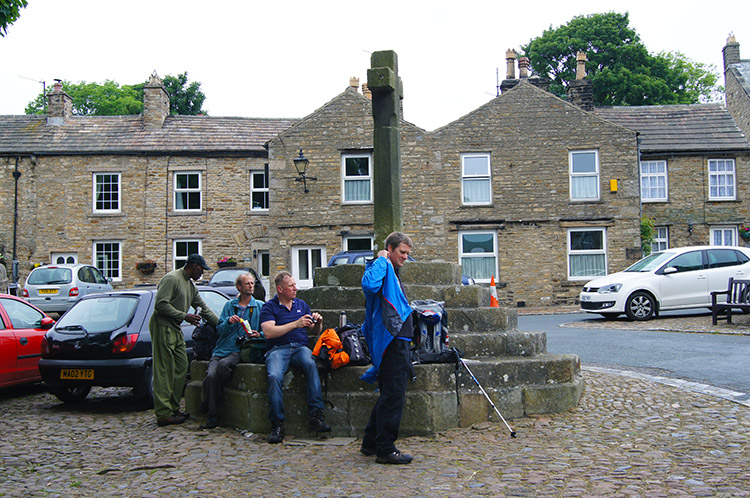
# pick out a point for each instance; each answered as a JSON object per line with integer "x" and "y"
{"x": 171, "y": 420}
{"x": 178, "y": 413}
{"x": 317, "y": 423}
{"x": 211, "y": 423}
{"x": 366, "y": 450}
{"x": 277, "y": 433}
{"x": 395, "y": 457}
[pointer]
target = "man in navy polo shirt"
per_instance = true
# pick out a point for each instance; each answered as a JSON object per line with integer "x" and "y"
{"x": 286, "y": 321}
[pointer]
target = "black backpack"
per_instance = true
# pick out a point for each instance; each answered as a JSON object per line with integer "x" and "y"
{"x": 204, "y": 341}
{"x": 354, "y": 344}
{"x": 431, "y": 333}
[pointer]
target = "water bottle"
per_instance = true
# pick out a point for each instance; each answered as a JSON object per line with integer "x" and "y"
{"x": 342, "y": 318}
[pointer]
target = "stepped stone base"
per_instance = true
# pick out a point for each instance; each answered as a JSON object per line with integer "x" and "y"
{"x": 543, "y": 384}
{"x": 514, "y": 367}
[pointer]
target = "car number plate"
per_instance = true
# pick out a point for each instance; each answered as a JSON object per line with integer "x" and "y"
{"x": 77, "y": 373}
{"x": 47, "y": 291}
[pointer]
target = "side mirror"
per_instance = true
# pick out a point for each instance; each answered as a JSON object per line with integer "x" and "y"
{"x": 46, "y": 323}
{"x": 669, "y": 270}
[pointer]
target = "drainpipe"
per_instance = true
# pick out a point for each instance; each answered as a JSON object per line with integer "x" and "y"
{"x": 13, "y": 287}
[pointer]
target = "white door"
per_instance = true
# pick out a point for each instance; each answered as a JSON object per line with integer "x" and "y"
{"x": 689, "y": 285}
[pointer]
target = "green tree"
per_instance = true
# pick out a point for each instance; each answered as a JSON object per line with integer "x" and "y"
{"x": 111, "y": 99}
{"x": 10, "y": 11}
{"x": 94, "y": 99}
{"x": 620, "y": 67}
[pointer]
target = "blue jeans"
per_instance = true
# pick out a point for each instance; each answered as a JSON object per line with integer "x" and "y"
{"x": 278, "y": 360}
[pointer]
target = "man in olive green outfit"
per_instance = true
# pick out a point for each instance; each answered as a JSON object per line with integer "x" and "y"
{"x": 175, "y": 295}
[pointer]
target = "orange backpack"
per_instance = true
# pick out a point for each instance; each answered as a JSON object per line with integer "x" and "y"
{"x": 330, "y": 351}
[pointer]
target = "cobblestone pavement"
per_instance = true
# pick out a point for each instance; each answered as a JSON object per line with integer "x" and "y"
{"x": 628, "y": 437}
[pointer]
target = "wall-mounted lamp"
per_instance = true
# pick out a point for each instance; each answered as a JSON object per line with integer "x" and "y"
{"x": 301, "y": 163}
{"x": 690, "y": 228}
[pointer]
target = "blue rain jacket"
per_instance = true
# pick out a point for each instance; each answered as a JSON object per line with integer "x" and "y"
{"x": 386, "y": 310}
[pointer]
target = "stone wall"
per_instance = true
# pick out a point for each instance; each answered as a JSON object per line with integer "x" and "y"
{"x": 689, "y": 217}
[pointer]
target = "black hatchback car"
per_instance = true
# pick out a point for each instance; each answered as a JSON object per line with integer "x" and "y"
{"x": 103, "y": 340}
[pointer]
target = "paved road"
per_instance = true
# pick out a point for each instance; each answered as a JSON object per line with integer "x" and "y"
{"x": 721, "y": 360}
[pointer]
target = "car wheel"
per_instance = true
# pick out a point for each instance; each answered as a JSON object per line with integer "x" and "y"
{"x": 640, "y": 306}
{"x": 610, "y": 316}
{"x": 71, "y": 394}
{"x": 145, "y": 388}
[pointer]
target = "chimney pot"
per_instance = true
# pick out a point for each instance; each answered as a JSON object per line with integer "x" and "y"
{"x": 523, "y": 67}
{"x": 581, "y": 65}
{"x": 510, "y": 57}
{"x": 366, "y": 91}
{"x": 354, "y": 82}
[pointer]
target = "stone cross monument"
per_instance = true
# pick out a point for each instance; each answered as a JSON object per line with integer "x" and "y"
{"x": 383, "y": 81}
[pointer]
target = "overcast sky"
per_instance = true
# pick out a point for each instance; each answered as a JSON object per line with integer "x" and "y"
{"x": 287, "y": 58}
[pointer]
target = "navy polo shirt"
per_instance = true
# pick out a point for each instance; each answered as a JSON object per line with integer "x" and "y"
{"x": 274, "y": 311}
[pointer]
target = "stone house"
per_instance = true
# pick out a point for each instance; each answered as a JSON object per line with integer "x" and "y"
{"x": 694, "y": 171}
{"x": 528, "y": 188}
{"x": 118, "y": 190}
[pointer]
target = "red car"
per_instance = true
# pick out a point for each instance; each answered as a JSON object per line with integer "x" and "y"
{"x": 22, "y": 327}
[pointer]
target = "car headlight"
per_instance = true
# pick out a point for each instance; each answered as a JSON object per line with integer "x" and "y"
{"x": 610, "y": 289}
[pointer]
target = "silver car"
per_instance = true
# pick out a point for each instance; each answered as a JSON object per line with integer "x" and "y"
{"x": 55, "y": 288}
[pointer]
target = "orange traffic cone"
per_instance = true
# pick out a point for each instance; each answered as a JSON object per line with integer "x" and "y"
{"x": 494, "y": 303}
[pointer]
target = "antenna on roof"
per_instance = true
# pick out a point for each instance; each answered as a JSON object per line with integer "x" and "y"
{"x": 44, "y": 90}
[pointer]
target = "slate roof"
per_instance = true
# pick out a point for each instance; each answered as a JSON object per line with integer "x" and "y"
{"x": 676, "y": 129}
{"x": 126, "y": 135}
{"x": 741, "y": 71}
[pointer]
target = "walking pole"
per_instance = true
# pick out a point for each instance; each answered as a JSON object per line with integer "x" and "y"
{"x": 512, "y": 432}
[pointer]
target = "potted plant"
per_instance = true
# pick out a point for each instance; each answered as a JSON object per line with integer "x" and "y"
{"x": 147, "y": 266}
{"x": 226, "y": 261}
{"x": 745, "y": 233}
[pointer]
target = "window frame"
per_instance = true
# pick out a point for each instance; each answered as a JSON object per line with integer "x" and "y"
{"x": 265, "y": 191}
{"x": 94, "y": 194}
{"x": 183, "y": 260}
{"x": 724, "y": 229}
{"x": 582, "y": 252}
{"x": 177, "y": 191}
{"x": 661, "y": 236}
{"x": 345, "y": 178}
{"x": 474, "y": 177}
{"x": 717, "y": 174}
{"x": 494, "y": 254}
{"x": 108, "y": 270}
{"x": 347, "y": 238}
{"x": 572, "y": 175}
{"x": 665, "y": 175}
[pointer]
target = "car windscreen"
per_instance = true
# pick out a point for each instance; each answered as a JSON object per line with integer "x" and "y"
{"x": 214, "y": 300}
{"x": 50, "y": 276}
{"x": 652, "y": 262}
{"x": 225, "y": 277}
{"x": 101, "y": 314}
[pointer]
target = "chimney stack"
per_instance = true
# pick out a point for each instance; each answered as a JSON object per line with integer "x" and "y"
{"x": 731, "y": 52}
{"x": 155, "y": 103}
{"x": 59, "y": 105}
{"x": 510, "y": 57}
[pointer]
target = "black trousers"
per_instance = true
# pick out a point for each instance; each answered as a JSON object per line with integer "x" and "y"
{"x": 382, "y": 429}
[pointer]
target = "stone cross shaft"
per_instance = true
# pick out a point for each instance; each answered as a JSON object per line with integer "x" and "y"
{"x": 383, "y": 81}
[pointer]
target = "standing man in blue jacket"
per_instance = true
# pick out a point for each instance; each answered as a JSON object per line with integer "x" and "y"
{"x": 388, "y": 329}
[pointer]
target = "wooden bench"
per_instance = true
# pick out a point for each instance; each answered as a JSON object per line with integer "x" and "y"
{"x": 738, "y": 297}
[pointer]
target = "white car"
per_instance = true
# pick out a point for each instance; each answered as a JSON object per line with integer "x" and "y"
{"x": 672, "y": 279}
